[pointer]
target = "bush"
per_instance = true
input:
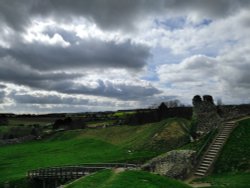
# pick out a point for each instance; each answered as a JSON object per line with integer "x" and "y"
{"x": 68, "y": 123}
{"x": 193, "y": 127}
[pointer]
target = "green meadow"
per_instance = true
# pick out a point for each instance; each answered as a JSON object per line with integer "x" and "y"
{"x": 114, "y": 144}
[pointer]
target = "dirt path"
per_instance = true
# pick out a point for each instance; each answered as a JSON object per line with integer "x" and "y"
{"x": 200, "y": 184}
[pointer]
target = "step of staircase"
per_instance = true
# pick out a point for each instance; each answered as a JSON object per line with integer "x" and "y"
{"x": 226, "y": 131}
{"x": 217, "y": 144}
{"x": 205, "y": 168}
{"x": 216, "y": 147}
{"x": 228, "y": 128}
{"x": 214, "y": 150}
{"x": 225, "y": 134}
{"x": 222, "y": 136}
{"x": 208, "y": 158}
{"x": 205, "y": 165}
{"x": 211, "y": 156}
{"x": 201, "y": 171}
{"x": 218, "y": 138}
{"x": 199, "y": 174}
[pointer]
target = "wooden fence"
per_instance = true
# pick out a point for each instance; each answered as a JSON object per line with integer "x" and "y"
{"x": 74, "y": 172}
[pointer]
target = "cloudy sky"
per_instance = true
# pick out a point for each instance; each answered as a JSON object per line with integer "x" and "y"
{"x": 91, "y": 55}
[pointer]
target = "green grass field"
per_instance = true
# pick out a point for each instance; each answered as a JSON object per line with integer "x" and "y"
{"x": 123, "y": 114}
{"x": 229, "y": 180}
{"x": 99, "y": 123}
{"x": 126, "y": 179}
{"x": 113, "y": 144}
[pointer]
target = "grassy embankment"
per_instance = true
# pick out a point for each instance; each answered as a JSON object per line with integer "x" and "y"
{"x": 113, "y": 144}
{"x": 133, "y": 179}
{"x": 233, "y": 165}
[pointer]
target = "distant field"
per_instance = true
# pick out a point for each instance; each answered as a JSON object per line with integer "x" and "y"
{"x": 123, "y": 114}
{"x": 22, "y": 126}
{"x": 99, "y": 123}
{"x": 114, "y": 144}
{"x": 126, "y": 179}
{"x": 30, "y": 120}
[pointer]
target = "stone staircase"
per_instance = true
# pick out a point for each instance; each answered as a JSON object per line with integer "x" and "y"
{"x": 214, "y": 149}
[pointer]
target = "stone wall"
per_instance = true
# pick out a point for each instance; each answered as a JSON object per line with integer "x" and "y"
{"x": 228, "y": 112}
{"x": 208, "y": 116}
{"x": 175, "y": 164}
{"x": 205, "y": 114}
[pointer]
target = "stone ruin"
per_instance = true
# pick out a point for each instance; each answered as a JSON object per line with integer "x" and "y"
{"x": 208, "y": 116}
{"x": 175, "y": 164}
{"x": 205, "y": 114}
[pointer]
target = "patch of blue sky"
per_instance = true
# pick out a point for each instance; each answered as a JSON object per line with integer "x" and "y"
{"x": 207, "y": 50}
{"x": 231, "y": 42}
{"x": 170, "y": 23}
{"x": 168, "y": 85}
{"x": 151, "y": 74}
{"x": 212, "y": 49}
{"x": 203, "y": 23}
{"x": 160, "y": 56}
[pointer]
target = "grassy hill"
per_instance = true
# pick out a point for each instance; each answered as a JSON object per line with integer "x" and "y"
{"x": 135, "y": 179}
{"x": 113, "y": 144}
{"x": 231, "y": 169}
{"x": 235, "y": 155}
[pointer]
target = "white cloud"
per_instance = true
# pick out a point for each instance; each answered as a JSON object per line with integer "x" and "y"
{"x": 122, "y": 54}
{"x": 225, "y": 76}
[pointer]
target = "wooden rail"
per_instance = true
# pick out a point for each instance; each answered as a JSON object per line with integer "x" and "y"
{"x": 74, "y": 172}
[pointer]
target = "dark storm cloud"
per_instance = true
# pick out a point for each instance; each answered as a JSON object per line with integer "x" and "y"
{"x": 64, "y": 82}
{"x": 53, "y": 99}
{"x": 14, "y": 72}
{"x": 47, "y": 99}
{"x": 120, "y": 91}
{"x": 110, "y": 14}
{"x": 84, "y": 54}
{"x": 2, "y": 86}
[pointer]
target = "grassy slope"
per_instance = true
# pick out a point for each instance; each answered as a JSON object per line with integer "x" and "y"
{"x": 229, "y": 180}
{"x": 135, "y": 179}
{"x": 81, "y": 146}
{"x": 235, "y": 155}
{"x": 233, "y": 165}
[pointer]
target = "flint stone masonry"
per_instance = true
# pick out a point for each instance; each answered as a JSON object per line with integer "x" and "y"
{"x": 175, "y": 164}
{"x": 209, "y": 116}
{"x": 228, "y": 112}
{"x": 205, "y": 113}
